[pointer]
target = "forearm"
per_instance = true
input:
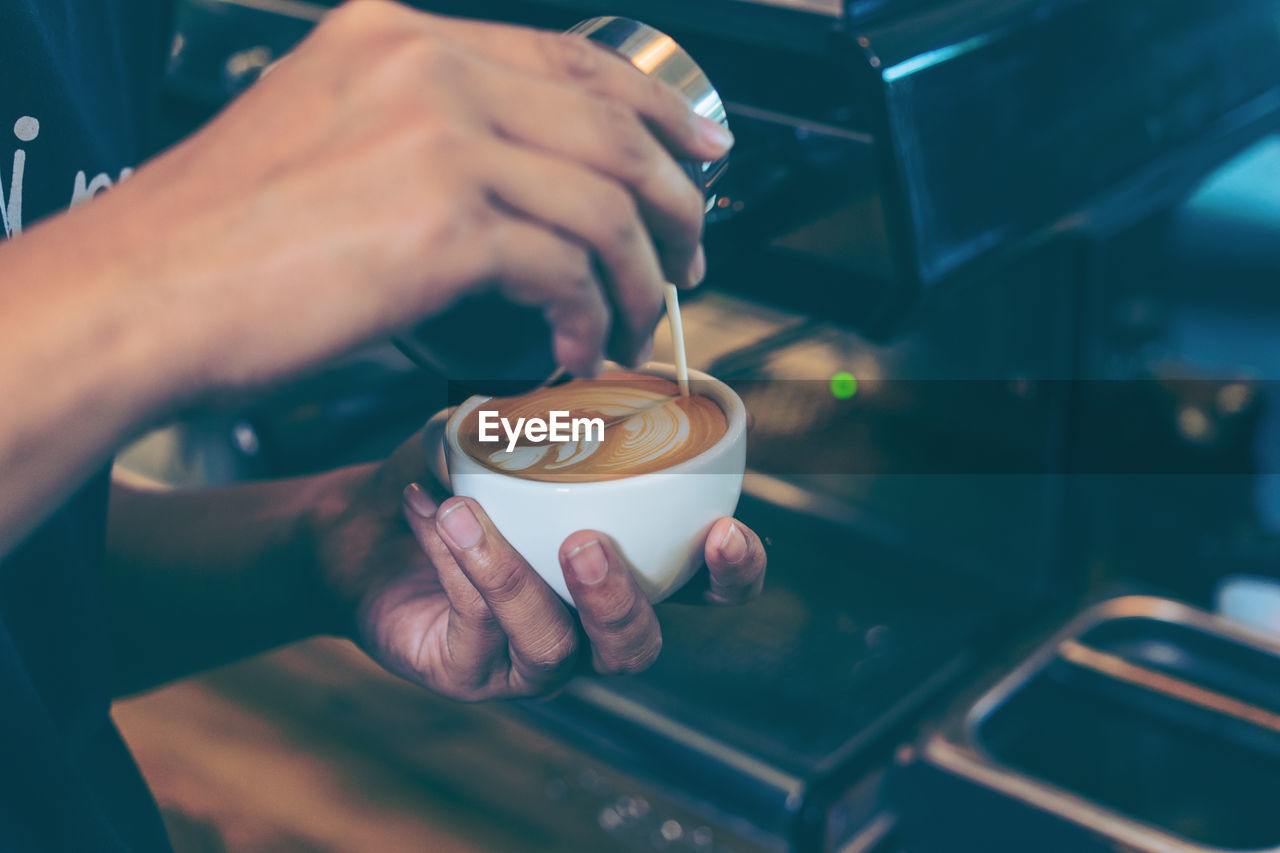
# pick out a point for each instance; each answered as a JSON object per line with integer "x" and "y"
{"x": 84, "y": 362}
{"x": 195, "y": 579}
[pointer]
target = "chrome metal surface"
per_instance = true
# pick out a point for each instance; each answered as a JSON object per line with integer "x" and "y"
{"x": 1116, "y": 667}
{"x": 830, "y": 8}
{"x": 960, "y": 750}
{"x": 1128, "y": 607}
{"x": 659, "y": 56}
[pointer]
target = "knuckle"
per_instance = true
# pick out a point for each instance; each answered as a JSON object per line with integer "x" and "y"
{"x": 682, "y": 210}
{"x": 690, "y": 209}
{"x": 468, "y": 223}
{"x": 474, "y": 610}
{"x": 427, "y": 57}
{"x": 478, "y": 217}
{"x": 574, "y": 57}
{"x": 619, "y": 215}
{"x": 400, "y": 64}
{"x": 620, "y": 615}
{"x": 468, "y": 680}
{"x": 393, "y": 54}
{"x": 585, "y": 321}
{"x": 555, "y": 649}
{"x": 586, "y": 299}
{"x": 357, "y": 24}
{"x": 579, "y": 278}
{"x": 576, "y": 286}
{"x": 507, "y": 581}
{"x": 441, "y": 60}
{"x": 599, "y": 318}
{"x": 630, "y": 661}
{"x": 494, "y": 240}
{"x": 357, "y": 14}
{"x": 436, "y": 149}
{"x": 626, "y": 137}
{"x": 642, "y": 303}
{"x": 585, "y": 315}
{"x": 643, "y": 659}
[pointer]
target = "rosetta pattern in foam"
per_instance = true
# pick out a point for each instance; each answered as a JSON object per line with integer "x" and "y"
{"x": 641, "y": 433}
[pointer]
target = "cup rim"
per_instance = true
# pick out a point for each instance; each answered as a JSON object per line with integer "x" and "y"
{"x": 726, "y": 398}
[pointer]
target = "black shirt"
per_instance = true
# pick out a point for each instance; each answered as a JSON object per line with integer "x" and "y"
{"x": 76, "y": 82}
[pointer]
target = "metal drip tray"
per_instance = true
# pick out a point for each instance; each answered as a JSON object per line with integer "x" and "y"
{"x": 1144, "y": 725}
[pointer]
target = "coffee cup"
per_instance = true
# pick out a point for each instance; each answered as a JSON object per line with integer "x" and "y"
{"x": 658, "y": 520}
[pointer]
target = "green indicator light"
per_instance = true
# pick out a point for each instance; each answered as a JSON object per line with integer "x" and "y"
{"x": 843, "y": 385}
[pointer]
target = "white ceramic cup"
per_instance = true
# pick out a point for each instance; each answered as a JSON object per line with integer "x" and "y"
{"x": 658, "y": 521}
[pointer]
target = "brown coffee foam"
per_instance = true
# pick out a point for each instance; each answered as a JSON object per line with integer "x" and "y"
{"x": 640, "y": 437}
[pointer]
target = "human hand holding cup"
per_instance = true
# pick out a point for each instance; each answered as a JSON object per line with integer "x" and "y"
{"x": 657, "y": 520}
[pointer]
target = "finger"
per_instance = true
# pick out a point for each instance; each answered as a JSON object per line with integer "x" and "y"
{"x": 610, "y": 137}
{"x": 538, "y": 266}
{"x": 475, "y": 644}
{"x": 616, "y": 614}
{"x": 735, "y": 562}
{"x": 574, "y": 60}
{"x": 542, "y": 642}
{"x": 595, "y": 210}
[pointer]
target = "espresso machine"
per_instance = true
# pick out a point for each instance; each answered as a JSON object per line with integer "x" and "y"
{"x": 992, "y": 218}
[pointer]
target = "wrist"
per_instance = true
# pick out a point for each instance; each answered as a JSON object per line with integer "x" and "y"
{"x": 340, "y": 542}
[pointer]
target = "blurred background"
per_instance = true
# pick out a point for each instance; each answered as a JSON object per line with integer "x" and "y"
{"x": 1000, "y": 283}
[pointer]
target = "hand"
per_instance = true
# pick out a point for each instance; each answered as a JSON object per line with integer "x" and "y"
{"x": 398, "y": 161}
{"x": 453, "y": 607}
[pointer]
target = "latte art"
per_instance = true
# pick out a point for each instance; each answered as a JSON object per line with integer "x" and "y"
{"x": 647, "y": 427}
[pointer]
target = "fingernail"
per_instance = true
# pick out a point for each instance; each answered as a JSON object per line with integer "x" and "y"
{"x": 417, "y": 499}
{"x": 733, "y": 547}
{"x": 460, "y": 525}
{"x": 589, "y": 563}
{"x": 715, "y": 133}
{"x": 698, "y": 269}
